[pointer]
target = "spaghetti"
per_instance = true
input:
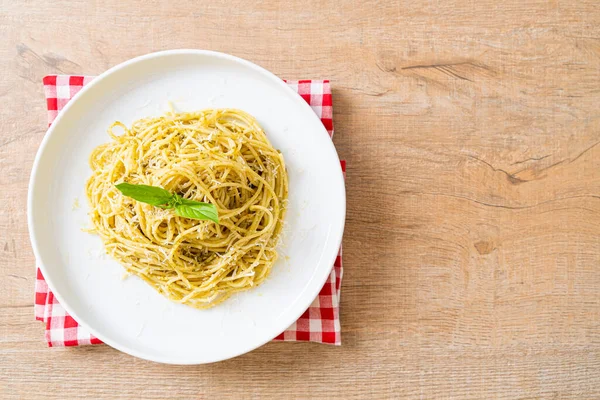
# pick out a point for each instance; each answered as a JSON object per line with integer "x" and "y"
{"x": 221, "y": 157}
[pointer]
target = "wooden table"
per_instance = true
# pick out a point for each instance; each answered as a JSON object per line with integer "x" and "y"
{"x": 472, "y": 244}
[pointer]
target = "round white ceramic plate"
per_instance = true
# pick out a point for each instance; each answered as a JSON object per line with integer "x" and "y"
{"x": 126, "y": 313}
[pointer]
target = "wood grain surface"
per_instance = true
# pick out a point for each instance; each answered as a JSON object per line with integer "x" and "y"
{"x": 472, "y": 246}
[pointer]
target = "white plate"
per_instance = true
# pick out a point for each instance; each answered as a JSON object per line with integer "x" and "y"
{"x": 128, "y": 314}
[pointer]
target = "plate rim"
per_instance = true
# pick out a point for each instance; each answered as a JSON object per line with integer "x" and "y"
{"x": 47, "y": 137}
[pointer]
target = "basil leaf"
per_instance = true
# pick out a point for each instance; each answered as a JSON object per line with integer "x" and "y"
{"x": 152, "y": 195}
{"x": 197, "y": 210}
{"x": 162, "y": 198}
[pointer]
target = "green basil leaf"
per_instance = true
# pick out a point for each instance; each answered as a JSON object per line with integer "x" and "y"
{"x": 197, "y": 210}
{"x": 162, "y": 198}
{"x": 152, "y": 195}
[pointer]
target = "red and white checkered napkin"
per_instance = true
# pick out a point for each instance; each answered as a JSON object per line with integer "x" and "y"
{"x": 320, "y": 323}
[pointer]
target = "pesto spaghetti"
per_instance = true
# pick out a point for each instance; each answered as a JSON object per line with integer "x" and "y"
{"x": 216, "y": 156}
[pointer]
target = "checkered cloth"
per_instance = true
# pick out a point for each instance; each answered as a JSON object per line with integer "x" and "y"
{"x": 320, "y": 323}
